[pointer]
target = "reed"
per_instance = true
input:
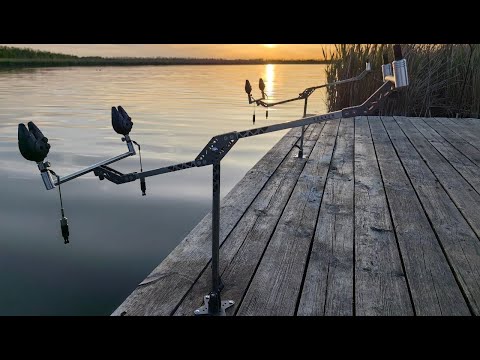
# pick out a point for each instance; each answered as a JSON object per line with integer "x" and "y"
{"x": 444, "y": 79}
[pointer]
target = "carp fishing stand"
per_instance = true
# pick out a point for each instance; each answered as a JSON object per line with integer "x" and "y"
{"x": 34, "y": 146}
{"x": 304, "y": 95}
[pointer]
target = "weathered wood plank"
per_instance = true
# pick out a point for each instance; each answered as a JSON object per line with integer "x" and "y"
{"x": 276, "y": 285}
{"x": 432, "y": 284}
{"x": 285, "y": 207}
{"x": 456, "y": 140}
{"x": 244, "y": 247}
{"x": 460, "y": 244}
{"x": 169, "y": 282}
{"x": 461, "y": 130}
{"x": 469, "y": 124}
{"x": 380, "y": 284}
{"x": 460, "y": 162}
{"x": 328, "y": 285}
{"x": 463, "y": 195}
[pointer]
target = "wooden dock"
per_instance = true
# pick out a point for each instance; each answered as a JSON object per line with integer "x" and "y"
{"x": 382, "y": 217}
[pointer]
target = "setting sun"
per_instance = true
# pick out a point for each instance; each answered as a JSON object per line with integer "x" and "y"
{"x": 269, "y": 45}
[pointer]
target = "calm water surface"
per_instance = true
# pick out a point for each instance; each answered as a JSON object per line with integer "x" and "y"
{"x": 117, "y": 236}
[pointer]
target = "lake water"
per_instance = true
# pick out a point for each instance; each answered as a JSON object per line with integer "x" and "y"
{"x": 117, "y": 236}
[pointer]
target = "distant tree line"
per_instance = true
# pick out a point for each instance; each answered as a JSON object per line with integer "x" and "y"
{"x": 9, "y": 52}
{"x": 18, "y": 57}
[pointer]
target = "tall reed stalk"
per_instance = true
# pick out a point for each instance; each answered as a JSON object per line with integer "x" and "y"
{"x": 444, "y": 79}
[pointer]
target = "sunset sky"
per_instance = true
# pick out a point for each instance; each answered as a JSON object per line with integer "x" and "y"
{"x": 226, "y": 51}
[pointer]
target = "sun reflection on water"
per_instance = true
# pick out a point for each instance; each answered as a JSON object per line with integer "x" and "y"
{"x": 269, "y": 79}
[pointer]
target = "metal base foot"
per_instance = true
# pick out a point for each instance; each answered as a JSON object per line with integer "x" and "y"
{"x": 299, "y": 155}
{"x": 204, "y": 310}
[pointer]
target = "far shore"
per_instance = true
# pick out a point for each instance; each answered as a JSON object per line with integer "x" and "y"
{"x": 10, "y": 63}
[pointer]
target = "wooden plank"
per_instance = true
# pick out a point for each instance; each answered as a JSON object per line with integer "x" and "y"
{"x": 463, "y": 195}
{"x": 432, "y": 284}
{"x": 328, "y": 285}
{"x": 380, "y": 284}
{"x": 469, "y": 124}
{"x": 460, "y": 162}
{"x": 168, "y": 283}
{"x": 276, "y": 285}
{"x": 461, "y": 130}
{"x": 245, "y": 245}
{"x": 456, "y": 140}
{"x": 459, "y": 242}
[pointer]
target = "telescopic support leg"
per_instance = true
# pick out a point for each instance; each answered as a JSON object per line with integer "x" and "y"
{"x": 300, "y": 148}
{"x": 214, "y": 306}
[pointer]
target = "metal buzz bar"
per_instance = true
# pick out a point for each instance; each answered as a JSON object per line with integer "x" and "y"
{"x": 34, "y": 146}
{"x": 304, "y": 95}
{"x": 212, "y": 154}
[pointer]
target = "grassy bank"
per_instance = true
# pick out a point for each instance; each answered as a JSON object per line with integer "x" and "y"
{"x": 444, "y": 79}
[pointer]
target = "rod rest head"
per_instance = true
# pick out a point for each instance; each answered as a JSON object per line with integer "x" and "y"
{"x": 33, "y": 145}
{"x": 121, "y": 122}
{"x": 248, "y": 87}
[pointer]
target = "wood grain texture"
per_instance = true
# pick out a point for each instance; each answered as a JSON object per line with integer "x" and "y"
{"x": 465, "y": 167}
{"x": 471, "y": 125}
{"x": 276, "y": 284}
{"x": 455, "y": 140}
{"x": 244, "y": 247}
{"x": 461, "y": 192}
{"x": 460, "y": 244}
{"x": 380, "y": 218}
{"x": 380, "y": 284}
{"x": 328, "y": 285}
{"x": 432, "y": 284}
{"x": 462, "y": 130}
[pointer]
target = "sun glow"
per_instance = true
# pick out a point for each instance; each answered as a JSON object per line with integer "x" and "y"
{"x": 270, "y": 45}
